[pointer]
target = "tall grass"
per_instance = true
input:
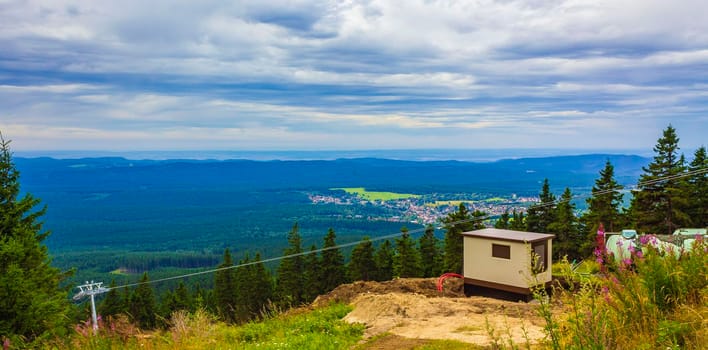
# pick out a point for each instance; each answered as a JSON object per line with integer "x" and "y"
{"x": 654, "y": 300}
{"x": 321, "y": 328}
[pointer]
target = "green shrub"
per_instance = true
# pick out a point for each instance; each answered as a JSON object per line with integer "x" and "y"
{"x": 656, "y": 300}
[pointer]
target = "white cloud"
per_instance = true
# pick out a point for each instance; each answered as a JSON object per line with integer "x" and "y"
{"x": 428, "y": 73}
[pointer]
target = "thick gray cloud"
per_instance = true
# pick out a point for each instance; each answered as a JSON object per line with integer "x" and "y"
{"x": 352, "y": 74}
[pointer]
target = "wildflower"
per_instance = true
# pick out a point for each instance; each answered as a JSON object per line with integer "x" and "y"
{"x": 639, "y": 254}
{"x": 600, "y": 249}
{"x": 606, "y": 293}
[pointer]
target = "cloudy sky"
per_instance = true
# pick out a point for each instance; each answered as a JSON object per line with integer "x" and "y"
{"x": 347, "y": 75}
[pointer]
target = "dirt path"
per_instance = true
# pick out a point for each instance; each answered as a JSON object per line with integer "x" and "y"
{"x": 413, "y": 309}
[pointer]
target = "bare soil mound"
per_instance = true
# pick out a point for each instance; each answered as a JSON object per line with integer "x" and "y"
{"x": 477, "y": 320}
{"x": 414, "y": 309}
{"x": 423, "y": 286}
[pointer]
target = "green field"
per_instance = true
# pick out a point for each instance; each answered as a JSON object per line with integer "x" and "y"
{"x": 455, "y": 203}
{"x": 120, "y": 272}
{"x": 376, "y": 196}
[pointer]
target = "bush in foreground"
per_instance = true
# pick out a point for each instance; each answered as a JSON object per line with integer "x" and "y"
{"x": 654, "y": 300}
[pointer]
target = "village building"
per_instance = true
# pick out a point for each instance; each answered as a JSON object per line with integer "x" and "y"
{"x": 506, "y": 260}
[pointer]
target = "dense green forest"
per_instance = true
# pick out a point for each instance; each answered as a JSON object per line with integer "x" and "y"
{"x": 114, "y": 218}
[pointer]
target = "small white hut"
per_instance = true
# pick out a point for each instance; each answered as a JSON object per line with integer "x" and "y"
{"x": 501, "y": 260}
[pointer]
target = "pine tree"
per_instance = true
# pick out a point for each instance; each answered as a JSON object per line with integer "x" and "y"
{"x": 289, "y": 289}
{"x": 261, "y": 290}
{"x": 225, "y": 289}
{"x": 659, "y": 205}
{"x": 113, "y": 303}
{"x": 406, "y": 261}
{"x": 603, "y": 208}
{"x": 362, "y": 266}
{"x": 384, "y": 261}
{"x": 565, "y": 227}
{"x": 430, "y": 259}
{"x": 455, "y": 224}
{"x": 32, "y": 305}
{"x": 242, "y": 295}
{"x": 254, "y": 288}
{"x": 204, "y": 299}
{"x": 541, "y": 215}
{"x": 183, "y": 301}
{"x": 143, "y": 308}
{"x": 166, "y": 305}
{"x": 333, "y": 271}
{"x": 503, "y": 221}
{"x": 312, "y": 273}
{"x": 518, "y": 222}
{"x": 698, "y": 189}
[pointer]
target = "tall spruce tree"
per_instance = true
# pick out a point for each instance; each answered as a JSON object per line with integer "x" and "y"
{"x": 143, "y": 307}
{"x": 698, "y": 189}
{"x": 384, "y": 261}
{"x": 430, "y": 259}
{"x": 242, "y": 292}
{"x": 225, "y": 289}
{"x": 659, "y": 206}
{"x": 204, "y": 299}
{"x": 503, "y": 221}
{"x": 254, "y": 288}
{"x": 541, "y": 215}
{"x": 455, "y": 224}
{"x": 183, "y": 300}
{"x": 406, "y": 261}
{"x": 261, "y": 287}
{"x": 566, "y": 228}
{"x": 518, "y": 222}
{"x": 289, "y": 288}
{"x": 113, "y": 303}
{"x": 333, "y": 269}
{"x": 32, "y": 305}
{"x": 362, "y": 266}
{"x": 311, "y": 277}
{"x": 603, "y": 208}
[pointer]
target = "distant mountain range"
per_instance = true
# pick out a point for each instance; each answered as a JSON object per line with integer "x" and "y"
{"x": 510, "y": 175}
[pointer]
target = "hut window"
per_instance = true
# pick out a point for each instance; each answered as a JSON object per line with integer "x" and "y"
{"x": 501, "y": 251}
{"x": 539, "y": 257}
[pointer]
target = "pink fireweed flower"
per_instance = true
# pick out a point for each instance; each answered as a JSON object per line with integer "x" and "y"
{"x": 606, "y": 293}
{"x": 639, "y": 254}
{"x": 600, "y": 249}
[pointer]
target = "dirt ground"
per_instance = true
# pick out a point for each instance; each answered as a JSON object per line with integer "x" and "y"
{"x": 414, "y": 309}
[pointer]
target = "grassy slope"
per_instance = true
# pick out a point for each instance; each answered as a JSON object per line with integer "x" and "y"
{"x": 317, "y": 329}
